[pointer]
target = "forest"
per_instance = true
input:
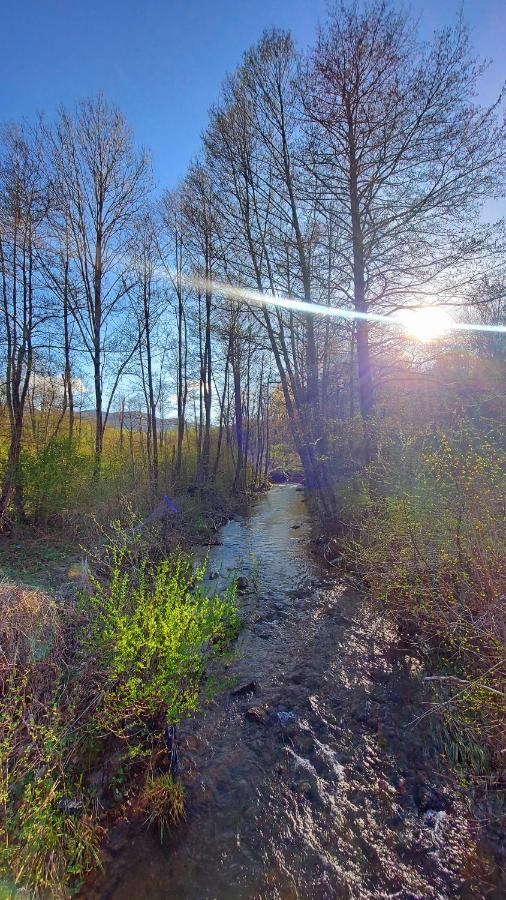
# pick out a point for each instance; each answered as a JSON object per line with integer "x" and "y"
{"x": 322, "y": 299}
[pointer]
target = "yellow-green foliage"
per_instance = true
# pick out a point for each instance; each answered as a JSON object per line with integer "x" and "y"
{"x": 59, "y": 482}
{"x": 152, "y": 629}
{"x": 430, "y": 541}
{"x": 55, "y": 477}
{"x": 79, "y": 686}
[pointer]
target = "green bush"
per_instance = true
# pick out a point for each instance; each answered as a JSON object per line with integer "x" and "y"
{"x": 152, "y": 629}
{"x": 121, "y": 665}
{"x": 54, "y": 477}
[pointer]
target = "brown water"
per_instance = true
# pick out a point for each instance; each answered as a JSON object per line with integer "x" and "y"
{"x": 327, "y": 790}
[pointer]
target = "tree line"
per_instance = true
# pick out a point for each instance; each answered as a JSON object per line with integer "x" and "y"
{"x": 353, "y": 176}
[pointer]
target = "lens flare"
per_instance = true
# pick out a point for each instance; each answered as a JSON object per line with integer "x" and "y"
{"x": 427, "y": 323}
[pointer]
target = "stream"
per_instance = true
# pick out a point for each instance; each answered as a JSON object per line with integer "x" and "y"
{"x": 306, "y": 776}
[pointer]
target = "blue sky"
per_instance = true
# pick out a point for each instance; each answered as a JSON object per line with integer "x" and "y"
{"x": 162, "y": 61}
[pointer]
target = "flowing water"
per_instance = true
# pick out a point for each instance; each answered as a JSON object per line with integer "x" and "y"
{"x": 305, "y": 777}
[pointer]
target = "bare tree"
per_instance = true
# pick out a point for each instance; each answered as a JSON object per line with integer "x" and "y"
{"x": 172, "y": 252}
{"x": 23, "y": 209}
{"x": 146, "y": 300}
{"x": 402, "y": 155}
{"x": 252, "y": 149}
{"x": 100, "y": 184}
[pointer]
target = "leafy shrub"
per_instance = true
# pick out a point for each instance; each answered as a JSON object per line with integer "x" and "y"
{"x": 54, "y": 476}
{"x": 152, "y": 631}
{"x": 81, "y": 685}
{"x": 430, "y": 543}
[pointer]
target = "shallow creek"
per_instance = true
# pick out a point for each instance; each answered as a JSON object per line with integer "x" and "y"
{"x": 305, "y": 777}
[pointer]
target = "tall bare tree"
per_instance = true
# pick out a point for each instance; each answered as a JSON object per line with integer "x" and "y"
{"x": 23, "y": 208}
{"x": 100, "y": 184}
{"x": 402, "y": 155}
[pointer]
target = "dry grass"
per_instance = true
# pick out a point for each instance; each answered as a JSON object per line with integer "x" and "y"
{"x": 29, "y": 625}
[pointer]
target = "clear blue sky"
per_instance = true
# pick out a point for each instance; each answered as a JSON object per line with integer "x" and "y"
{"x": 162, "y": 61}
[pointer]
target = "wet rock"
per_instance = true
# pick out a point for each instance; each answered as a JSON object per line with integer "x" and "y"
{"x": 428, "y": 798}
{"x": 303, "y": 743}
{"x": 118, "y": 837}
{"x": 286, "y": 717}
{"x": 247, "y": 687}
{"x": 71, "y": 806}
{"x": 304, "y": 787}
{"x": 212, "y": 575}
{"x": 278, "y": 476}
{"x": 297, "y": 525}
{"x": 242, "y": 583}
{"x": 257, "y": 714}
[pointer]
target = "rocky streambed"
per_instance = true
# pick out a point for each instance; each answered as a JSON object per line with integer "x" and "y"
{"x": 311, "y": 774}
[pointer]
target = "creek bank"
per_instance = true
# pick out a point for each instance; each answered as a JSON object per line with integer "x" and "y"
{"x": 309, "y": 776}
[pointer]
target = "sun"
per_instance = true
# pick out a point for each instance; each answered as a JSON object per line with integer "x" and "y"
{"x": 427, "y": 323}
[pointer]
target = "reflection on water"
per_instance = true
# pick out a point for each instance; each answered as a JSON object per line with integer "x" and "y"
{"x": 305, "y": 785}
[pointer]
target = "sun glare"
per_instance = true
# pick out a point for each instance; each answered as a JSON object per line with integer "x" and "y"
{"x": 427, "y": 323}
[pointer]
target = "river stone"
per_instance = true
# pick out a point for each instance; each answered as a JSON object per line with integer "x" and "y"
{"x": 303, "y": 743}
{"x": 305, "y": 787}
{"x": 428, "y": 798}
{"x": 257, "y": 714}
{"x": 247, "y": 687}
{"x": 242, "y": 583}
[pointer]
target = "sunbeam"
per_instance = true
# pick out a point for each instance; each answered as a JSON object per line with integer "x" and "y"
{"x": 425, "y": 324}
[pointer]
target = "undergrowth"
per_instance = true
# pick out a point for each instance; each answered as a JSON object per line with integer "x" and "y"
{"x": 87, "y": 690}
{"x": 426, "y": 533}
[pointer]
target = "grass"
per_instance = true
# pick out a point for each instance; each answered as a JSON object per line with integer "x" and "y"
{"x": 164, "y": 801}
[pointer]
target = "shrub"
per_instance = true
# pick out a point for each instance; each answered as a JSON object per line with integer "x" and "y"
{"x": 55, "y": 476}
{"x": 431, "y": 545}
{"x": 82, "y": 685}
{"x": 151, "y": 628}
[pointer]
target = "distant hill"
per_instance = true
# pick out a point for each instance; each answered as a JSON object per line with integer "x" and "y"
{"x": 134, "y": 418}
